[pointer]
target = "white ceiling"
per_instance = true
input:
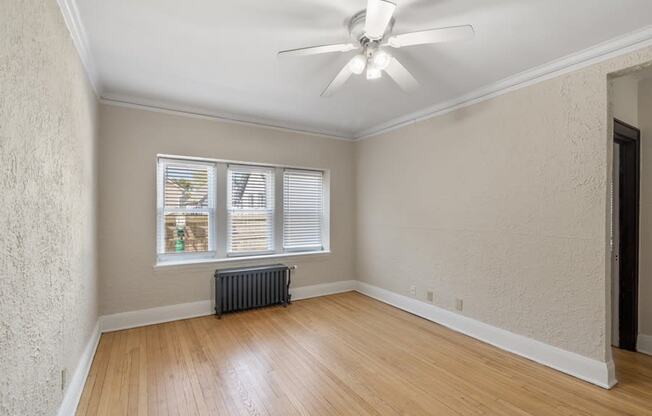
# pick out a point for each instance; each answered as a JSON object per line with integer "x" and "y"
{"x": 219, "y": 56}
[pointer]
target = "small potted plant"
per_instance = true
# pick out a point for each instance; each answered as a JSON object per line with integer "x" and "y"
{"x": 180, "y": 242}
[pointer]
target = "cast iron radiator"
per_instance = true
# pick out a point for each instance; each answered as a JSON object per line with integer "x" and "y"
{"x": 253, "y": 287}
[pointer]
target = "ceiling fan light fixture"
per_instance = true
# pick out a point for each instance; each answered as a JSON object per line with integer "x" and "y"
{"x": 357, "y": 64}
{"x": 373, "y": 72}
{"x": 381, "y": 59}
{"x": 371, "y": 35}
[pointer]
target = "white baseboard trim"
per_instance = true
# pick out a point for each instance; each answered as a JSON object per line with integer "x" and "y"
{"x": 76, "y": 386}
{"x": 307, "y": 292}
{"x": 644, "y": 344}
{"x": 587, "y": 369}
{"x": 158, "y": 315}
{"x": 143, "y": 317}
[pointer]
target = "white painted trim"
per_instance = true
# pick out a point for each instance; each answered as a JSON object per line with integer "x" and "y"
{"x": 143, "y": 317}
{"x": 573, "y": 62}
{"x": 187, "y": 111}
{"x": 210, "y": 160}
{"x": 80, "y": 40}
{"x": 324, "y": 289}
{"x": 593, "y": 371}
{"x": 134, "y": 319}
{"x": 590, "y": 56}
{"x": 587, "y": 369}
{"x": 241, "y": 259}
{"x": 76, "y": 386}
{"x": 582, "y": 59}
{"x": 644, "y": 344}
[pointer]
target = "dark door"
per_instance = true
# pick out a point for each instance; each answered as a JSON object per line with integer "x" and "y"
{"x": 628, "y": 138}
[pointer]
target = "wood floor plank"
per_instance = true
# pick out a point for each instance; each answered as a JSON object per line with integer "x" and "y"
{"x": 345, "y": 354}
{"x": 89, "y": 402}
{"x": 156, "y": 403}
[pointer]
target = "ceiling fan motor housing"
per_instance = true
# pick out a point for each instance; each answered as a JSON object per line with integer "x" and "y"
{"x": 357, "y": 32}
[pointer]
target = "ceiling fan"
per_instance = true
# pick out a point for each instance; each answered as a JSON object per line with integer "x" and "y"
{"x": 371, "y": 31}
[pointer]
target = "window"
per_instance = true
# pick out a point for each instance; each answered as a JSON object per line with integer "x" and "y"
{"x": 250, "y": 210}
{"x": 303, "y": 194}
{"x": 216, "y": 210}
{"x": 186, "y": 208}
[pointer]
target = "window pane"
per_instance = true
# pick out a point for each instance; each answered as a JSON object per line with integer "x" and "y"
{"x": 251, "y": 209}
{"x": 186, "y": 206}
{"x": 303, "y": 195}
{"x": 250, "y": 231}
{"x": 250, "y": 190}
{"x": 186, "y": 186}
{"x": 186, "y": 233}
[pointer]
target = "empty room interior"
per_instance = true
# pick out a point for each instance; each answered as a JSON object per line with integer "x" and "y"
{"x": 326, "y": 207}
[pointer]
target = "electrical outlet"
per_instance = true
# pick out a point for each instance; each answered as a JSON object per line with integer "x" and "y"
{"x": 413, "y": 290}
{"x": 64, "y": 374}
{"x": 430, "y": 295}
{"x": 459, "y": 304}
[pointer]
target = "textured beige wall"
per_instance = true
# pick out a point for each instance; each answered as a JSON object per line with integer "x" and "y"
{"x": 503, "y": 204}
{"x": 131, "y": 138}
{"x": 645, "y": 259}
{"x": 625, "y": 99}
{"x": 48, "y": 288}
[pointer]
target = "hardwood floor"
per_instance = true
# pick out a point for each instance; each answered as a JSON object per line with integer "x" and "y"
{"x": 344, "y": 354}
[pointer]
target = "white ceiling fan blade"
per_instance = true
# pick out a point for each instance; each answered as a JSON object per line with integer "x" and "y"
{"x": 379, "y": 13}
{"x": 338, "y": 81}
{"x": 315, "y": 50}
{"x": 401, "y": 76}
{"x": 447, "y": 34}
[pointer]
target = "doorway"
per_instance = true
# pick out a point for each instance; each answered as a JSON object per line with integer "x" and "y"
{"x": 626, "y": 197}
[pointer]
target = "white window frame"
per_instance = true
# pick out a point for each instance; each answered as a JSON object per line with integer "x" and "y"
{"x": 324, "y": 222}
{"x": 218, "y": 216}
{"x": 271, "y": 195}
{"x": 161, "y": 210}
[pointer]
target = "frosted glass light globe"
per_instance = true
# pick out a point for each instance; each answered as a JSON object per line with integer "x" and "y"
{"x": 381, "y": 59}
{"x": 374, "y": 73}
{"x": 357, "y": 64}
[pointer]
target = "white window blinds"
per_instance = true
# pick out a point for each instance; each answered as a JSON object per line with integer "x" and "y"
{"x": 303, "y": 209}
{"x": 186, "y": 207}
{"x": 250, "y": 206}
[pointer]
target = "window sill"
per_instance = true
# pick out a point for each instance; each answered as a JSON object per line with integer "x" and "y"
{"x": 196, "y": 262}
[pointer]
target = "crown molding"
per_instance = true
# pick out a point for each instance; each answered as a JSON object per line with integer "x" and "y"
{"x": 186, "y": 111}
{"x": 80, "y": 40}
{"x": 587, "y": 57}
{"x": 573, "y": 62}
